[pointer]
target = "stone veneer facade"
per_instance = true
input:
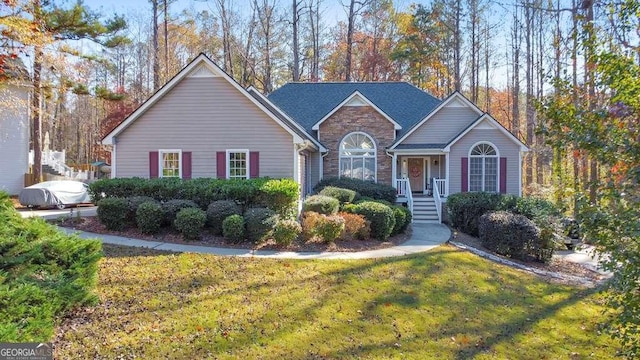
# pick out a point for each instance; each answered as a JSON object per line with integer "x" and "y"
{"x": 357, "y": 118}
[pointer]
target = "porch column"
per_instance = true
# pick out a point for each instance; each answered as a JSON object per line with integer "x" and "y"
{"x": 446, "y": 174}
{"x": 394, "y": 171}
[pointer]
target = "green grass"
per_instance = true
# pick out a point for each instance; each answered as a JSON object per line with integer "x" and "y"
{"x": 443, "y": 304}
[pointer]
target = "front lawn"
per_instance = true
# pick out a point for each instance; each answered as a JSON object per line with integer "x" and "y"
{"x": 443, "y": 304}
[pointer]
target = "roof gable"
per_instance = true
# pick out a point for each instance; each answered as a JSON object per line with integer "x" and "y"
{"x": 486, "y": 121}
{"x": 201, "y": 66}
{"x": 356, "y": 99}
{"x": 454, "y": 100}
{"x": 308, "y": 103}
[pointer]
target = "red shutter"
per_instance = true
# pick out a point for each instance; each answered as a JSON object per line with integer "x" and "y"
{"x": 153, "y": 164}
{"x": 186, "y": 164}
{"x": 221, "y": 164}
{"x": 464, "y": 173}
{"x": 503, "y": 175}
{"x": 254, "y": 164}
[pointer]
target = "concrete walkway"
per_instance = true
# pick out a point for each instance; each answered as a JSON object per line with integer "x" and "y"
{"x": 584, "y": 255}
{"x": 424, "y": 237}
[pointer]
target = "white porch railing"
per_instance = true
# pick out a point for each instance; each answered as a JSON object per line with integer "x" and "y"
{"x": 437, "y": 198}
{"x": 441, "y": 186}
{"x": 56, "y": 160}
{"x": 403, "y": 189}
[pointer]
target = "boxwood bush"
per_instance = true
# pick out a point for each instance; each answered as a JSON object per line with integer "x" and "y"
{"x": 403, "y": 218}
{"x": 380, "y": 216}
{"x": 233, "y": 228}
{"x": 326, "y": 228}
{"x": 321, "y": 204}
{"x": 113, "y": 212}
{"x": 363, "y": 188}
{"x": 171, "y": 208}
{"x": 285, "y": 231}
{"x": 149, "y": 216}
{"x": 134, "y": 202}
{"x": 258, "y": 223}
{"x": 190, "y": 222}
{"x": 513, "y": 235}
{"x": 280, "y": 195}
{"x": 218, "y": 211}
{"x": 343, "y": 195}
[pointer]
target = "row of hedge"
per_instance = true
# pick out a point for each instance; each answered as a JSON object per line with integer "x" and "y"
{"x": 43, "y": 274}
{"x": 364, "y": 190}
{"x": 280, "y": 195}
{"x": 519, "y": 227}
{"x": 150, "y": 216}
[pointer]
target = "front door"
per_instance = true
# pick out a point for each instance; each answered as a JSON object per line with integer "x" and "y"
{"x": 416, "y": 174}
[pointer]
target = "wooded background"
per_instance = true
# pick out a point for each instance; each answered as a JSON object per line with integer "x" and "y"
{"x": 90, "y": 70}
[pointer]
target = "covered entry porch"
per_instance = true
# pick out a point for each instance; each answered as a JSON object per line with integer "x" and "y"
{"x": 421, "y": 174}
{"x": 421, "y": 181}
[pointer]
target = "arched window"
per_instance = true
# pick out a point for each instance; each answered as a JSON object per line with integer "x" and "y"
{"x": 483, "y": 168}
{"x": 358, "y": 157}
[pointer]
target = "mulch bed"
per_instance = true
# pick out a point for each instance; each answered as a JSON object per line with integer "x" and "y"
{"x": 556, "y": 265}
{"x": 92, "y": 224}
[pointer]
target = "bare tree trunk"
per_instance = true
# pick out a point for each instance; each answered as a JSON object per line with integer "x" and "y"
{"x": 35, "y": 110}
{"x": 457, "y": 55}
{"x": 247, "y": 48}
{"x": 574, "y": 60}
{"x": 350, "y": 30}
{"x": 529, "y": 15}
{"x": 515, "y": 90}
{"x": 296, "y": 45}
{"x": 225, "y": 21}
{"x": 156, "y": 60}
{"x": 314, "y": 20}
{"x": 590, "y": 81}
{"x": 166, "y": 40}
{"x": 473, "y": 20}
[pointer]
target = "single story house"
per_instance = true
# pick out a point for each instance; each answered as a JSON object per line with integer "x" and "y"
{"x": 204, "y": 124}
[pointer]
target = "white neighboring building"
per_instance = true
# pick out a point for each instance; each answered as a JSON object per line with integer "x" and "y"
{"x": 14, "y": 128}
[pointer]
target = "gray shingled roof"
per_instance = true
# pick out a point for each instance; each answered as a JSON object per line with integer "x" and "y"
{"x": 308, "y": 103}
{"x": 419, "y": 146}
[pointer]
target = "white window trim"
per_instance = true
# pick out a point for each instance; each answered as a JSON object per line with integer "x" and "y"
{"x": 169, "y": 151}
{"x": 375, "y": 155}
{"x": 497, "y": 156}
{"x": 228, "y": 162}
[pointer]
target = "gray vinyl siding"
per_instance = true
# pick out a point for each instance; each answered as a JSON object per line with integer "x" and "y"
{"x": 506, "y": 148}
{"x": 204, "y": 116}
{"x": 443, "y": 126}
{"x": 314, "y": 167}
{"x": 14, "y": 138}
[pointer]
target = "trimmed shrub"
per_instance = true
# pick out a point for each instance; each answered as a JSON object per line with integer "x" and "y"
{"x": 343, "y": 195}
{"x": 403, "y": 217}
{"x": 190, "y": 222}
{"x": 321, "y": 204}
{"x": 259, "y": 222}
{"x": 218, "y": 211}
{"x": 171, "y": 208}
{"x": 233, "y": 228}
{"x": 356, "y": 227}
{"x": 326, "y": 228}
{"x": 112, "y": 213}
{"x": 280, "y": 196}
{"x": 309, "y": 221}
{"x": 465, "y": 209}
{"x": 149, "y": 217}
{"x": 285, "y": 231}
{"x": 363, "y": 188}
{"x": 380, "y": 216}
{"x": 513, "y": 235}
{"x": 136, "y": 201}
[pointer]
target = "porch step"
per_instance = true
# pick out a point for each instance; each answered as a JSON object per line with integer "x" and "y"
{"x": 424, "y": 210}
